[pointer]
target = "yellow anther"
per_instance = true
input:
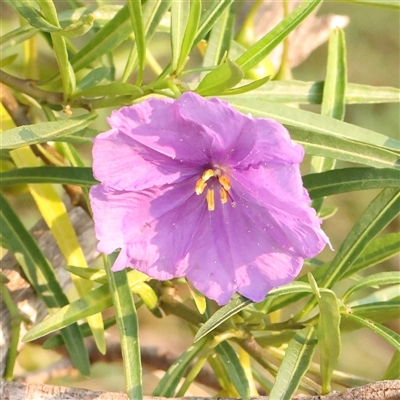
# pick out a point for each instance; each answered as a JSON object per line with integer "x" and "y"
{"x": 200, "y": 186}
{"x": 207, "y": 175}
{"x": 225, "y": 182}
{"x": 210, "y": 199}
{"x": 224, "y": 195}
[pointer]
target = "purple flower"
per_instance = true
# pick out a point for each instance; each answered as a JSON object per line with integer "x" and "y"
{"x": 193, "y": 188}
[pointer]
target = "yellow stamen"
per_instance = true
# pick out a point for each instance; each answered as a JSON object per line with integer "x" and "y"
{"x": 200, "y": 186}
{"x": 224, "y": 195}
{"x": 207, "y": 175}
{"x": 225, "y": 182}
{"x": 210, "y": 199}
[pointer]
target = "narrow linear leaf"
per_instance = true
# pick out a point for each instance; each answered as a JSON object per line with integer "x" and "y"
{"x": 311, "y": 93}
{"x": 311, "y": 122}
{"x": 208, "y": 18}
{"x": 219, "y": 41}
{"x": 378, "y": 214}
{"x": 333, "y": 101}
{"x": 381, "y": 311}
{"x": 82, "y": 176}
{"x": 220, "y": 316}
{"x": 57, "y": 219}
{"x": 379, "y": 3}
{"x": 349, "y": 179}
{"x": 127, "y": 322}
{"x": 393, "y": 370}
{"x": 153, "y": 12}
{"x": 238, "y": 304}
{"x": 60, "y": 49}
{"x": 112, "y": 89}
{"x": 43, "y": 131}
{"x": 136, "y": 16}
{"x": 378, "y": 250}
{"x": 234, "y": 369}
{"x": 93, "y": 302}
{"x": 190, "y": 33}
{"x": 224, "y": 77}
{"x": 249, "y": 87}
{"x": 328, "y": 334}
{"x": 295, "y": 364}
{"x": 387, "y": 334}
{"x": 344, "y": 149}
{"x": 258, "y": 51}
{"x": 42, "y": 278}
{"x": 106, "y": 39}
{"x": 179, "y": 20}
{"x": 93, "y": 78}
{"x": 169, "y": 382}
{"x": 381, "y": 278}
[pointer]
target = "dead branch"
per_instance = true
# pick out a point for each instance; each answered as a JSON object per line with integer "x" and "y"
{"x": 385, "y": 390}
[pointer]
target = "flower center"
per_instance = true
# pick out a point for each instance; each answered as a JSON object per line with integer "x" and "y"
{"x": 215, "y": 174}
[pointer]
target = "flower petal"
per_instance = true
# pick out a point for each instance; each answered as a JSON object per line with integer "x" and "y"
{"x": 158, "y": 125}
{"x": 278, "y": 188}
{"x": 235, "y": 250}
{"x": 122, "y": 163}
{"x": 153, "y": 227}
{"x": 222, "y": 122}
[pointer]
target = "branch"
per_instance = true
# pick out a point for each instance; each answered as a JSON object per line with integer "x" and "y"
{"x": 385, "y": 390}
{"x": 26, "y": 86}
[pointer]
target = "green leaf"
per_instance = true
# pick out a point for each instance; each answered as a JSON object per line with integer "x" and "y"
{"x": 378, "y": 250}
{"x": 27, "y": 9}
{"x": 349, "y": 179}
{"x": 295, "y": 364}
{"x": 169, "y": 382}
{"x": 378, "y": 214}
{"x": 387, "y": 334}
{"x": 95, "y": 301}
{"x": 82, "y": 176}
{"x": 219, "y": 41}
{"x": 259, "y": 50}
{"x": 127, "y": 322}
{"x": 234, "y": 369}
{"x": 310, "y": 122}
{"x": 208, "y": 18}
{"x": 93, "y": 78}
{"x": 344, "y": 149}
{"x": 60, "y": 49}
{"x": 105, "y": 40}
{"x": 328, "y": 334}
{"x": 190, "y": 33}
{"x": 381, "y": 278}
{"x": 136, "y": 16}
{"x": 238, "y": 304}
{"x": 112, "y": 89}
{"x": 379, "y": 3}
{"x": 4, "y": 62}
{"x": 223, "y": 314}
{"x": 333, "y": 101}
{"x": 249, "y": 87}
{"x": 44, "y": 131}
{"x": 220, "y": 79}
{"x": 153, "y": 12}
{"x": 393, "y": 370}
{"x": 42, "y": 278}
{"x": 179, "y": 19}
{"x": 311, "y": 93}
{"x": 380, "y": 311}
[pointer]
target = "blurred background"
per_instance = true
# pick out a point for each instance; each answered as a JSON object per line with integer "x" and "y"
{"x": 373, "y": 44}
